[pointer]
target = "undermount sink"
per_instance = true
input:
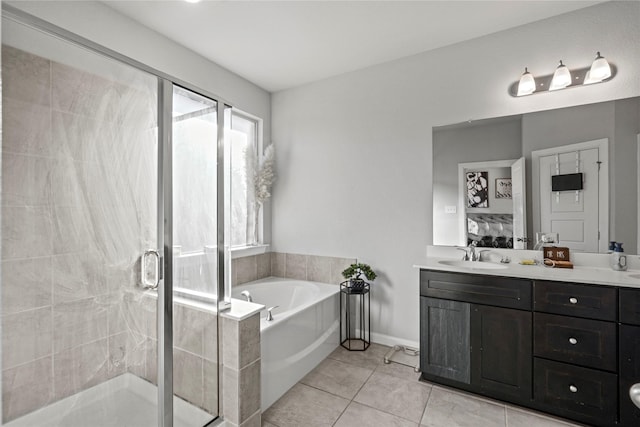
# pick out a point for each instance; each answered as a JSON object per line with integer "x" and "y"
{"x": 473, "y": 265}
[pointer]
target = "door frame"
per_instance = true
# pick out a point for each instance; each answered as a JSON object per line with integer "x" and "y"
{"x": 603, "y": 183}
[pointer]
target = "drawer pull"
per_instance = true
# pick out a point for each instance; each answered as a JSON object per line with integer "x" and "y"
{"x": 573, "y": 300}
{"x": 573, "y": 341}
{"x": 573, "y": 389}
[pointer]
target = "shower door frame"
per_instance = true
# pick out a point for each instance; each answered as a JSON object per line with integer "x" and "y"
{"x": 165, "y": 203}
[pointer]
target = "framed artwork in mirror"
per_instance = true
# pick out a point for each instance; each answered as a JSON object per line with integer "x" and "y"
{"x": 503, "y": 188}
{"x": 477, "y": 189}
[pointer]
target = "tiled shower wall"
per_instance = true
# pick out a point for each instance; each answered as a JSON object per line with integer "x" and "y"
{"x": 78, "y": 206}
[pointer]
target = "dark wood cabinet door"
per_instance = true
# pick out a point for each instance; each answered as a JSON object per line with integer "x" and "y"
{"x": 501, "y": 352}
{"x": 629, "y": 373}
{"x": 630, "y": 306}
{"x": 444, "y": 339}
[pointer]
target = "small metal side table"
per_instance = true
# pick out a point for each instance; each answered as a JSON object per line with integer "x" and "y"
{"x": 355, "y": 316}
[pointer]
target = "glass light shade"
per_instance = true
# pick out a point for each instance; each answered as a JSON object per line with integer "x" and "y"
{"x": 600, "y": 70}
{"x": 561, "y": 77}
{"x": 527, "y": 84}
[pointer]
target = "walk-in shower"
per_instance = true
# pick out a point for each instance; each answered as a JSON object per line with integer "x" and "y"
{"x": 111, "y": 199}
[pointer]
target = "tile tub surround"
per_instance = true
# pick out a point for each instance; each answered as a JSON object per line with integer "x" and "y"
{"x": 352, "y": 389}
{"x": 314, "y": 268}
{"x": 241, "y": 369}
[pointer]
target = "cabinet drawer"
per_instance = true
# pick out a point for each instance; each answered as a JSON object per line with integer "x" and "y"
{"x": 593, "y": 302}
{"x": 630, "y": 306}
{"x": 579, "y": 393}
{"x": 585, "y": 342}
{"x": 489, "y": 290}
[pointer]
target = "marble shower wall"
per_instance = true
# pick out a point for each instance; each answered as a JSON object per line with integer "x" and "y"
{"x": 78, "y": 209}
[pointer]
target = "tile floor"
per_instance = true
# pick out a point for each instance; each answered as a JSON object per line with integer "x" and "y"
{"x": 358, "y": 389}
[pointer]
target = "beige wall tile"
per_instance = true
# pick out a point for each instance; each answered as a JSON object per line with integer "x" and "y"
{"x": 25, "y": 180}
{"x": 187, "y": 376}
{"x": 26, "y": 77}
{"x": 263, "y": 262}
{"x": 337, "y": 266}
{"x": 230, "y": 395}
{"x": 295, "y": 266}
{"x": 210, "y": 336}
{"x": 249, "y": 340}
{"x": 230, "y": 349}
{"x": 277, "y": 264}
{"x": 26, "y": 128}
{"x": 254, "y": 421}
{"x": 26, "y": 336}
{"x": 72, "y": 230}
{"x": 26, "y": 388}
{"x": 78, "y": 322}
{"x": 75, "y": 277}
{"x": 81, "y": 367}
{"x": 26, "y": 284}
{"x": 246, "y": 270}
{"x": 26, "y": 232}
{"x": 319, "y": 269}
{"x": 118, "y": 350}
{"x": 188, "y": 328}
{"x": 210, "y": 392}
{"x": 249, "y": 389}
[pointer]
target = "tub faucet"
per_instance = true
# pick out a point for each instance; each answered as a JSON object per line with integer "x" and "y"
{"x": 247, "y": 295}
{"x": 269, "y": 316}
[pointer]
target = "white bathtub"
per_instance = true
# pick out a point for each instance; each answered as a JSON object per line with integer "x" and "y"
{"x": 303, "y": 332}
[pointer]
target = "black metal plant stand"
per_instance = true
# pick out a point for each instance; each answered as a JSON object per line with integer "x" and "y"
{"x": 356, "y": 335}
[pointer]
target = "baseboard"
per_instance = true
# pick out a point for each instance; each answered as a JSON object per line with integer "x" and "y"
{"x": 391, "y": 341}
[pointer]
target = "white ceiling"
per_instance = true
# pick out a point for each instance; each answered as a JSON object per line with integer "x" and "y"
{"x": 283, "y": 44}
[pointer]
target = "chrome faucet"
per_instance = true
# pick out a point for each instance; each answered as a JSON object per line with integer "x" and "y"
{"x": 247, "y": 295}
{"x": 269, "y": 316}
{"x": 470, "y": 253}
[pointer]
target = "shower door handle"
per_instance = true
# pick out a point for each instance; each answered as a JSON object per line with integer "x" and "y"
{"x": 147, "y": 281}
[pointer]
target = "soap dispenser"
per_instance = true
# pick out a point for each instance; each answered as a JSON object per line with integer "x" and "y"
{"x": 618, "y": 258}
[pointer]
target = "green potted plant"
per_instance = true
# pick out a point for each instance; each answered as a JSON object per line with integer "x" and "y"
{"x": 353, "y": 274}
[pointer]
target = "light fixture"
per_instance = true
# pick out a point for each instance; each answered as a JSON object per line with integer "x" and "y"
{"x": 600, "y": 71}
{"x": 527, "y": 84}
{"x": 561, "y": 77}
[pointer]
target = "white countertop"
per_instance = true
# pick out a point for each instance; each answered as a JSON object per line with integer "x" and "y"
{"x": 595, "y": 272}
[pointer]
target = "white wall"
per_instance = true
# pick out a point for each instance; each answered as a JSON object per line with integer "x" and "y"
{"x": 102, "y": 25}
{"x": 355, "y": 161}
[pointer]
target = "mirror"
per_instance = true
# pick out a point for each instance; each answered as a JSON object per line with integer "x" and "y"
{"x": 594, "y": 144}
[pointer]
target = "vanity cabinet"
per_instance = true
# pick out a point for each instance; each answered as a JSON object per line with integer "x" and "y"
{"x": 466, "y": 343}
{"x": 629, "y": 354}
{"x": 569, "y": 349}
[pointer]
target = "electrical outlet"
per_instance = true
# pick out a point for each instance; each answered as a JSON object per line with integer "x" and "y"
{"x": 450, "y": 209}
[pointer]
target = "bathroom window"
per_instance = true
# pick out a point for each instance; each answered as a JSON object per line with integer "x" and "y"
{"x": 245, "y": 143}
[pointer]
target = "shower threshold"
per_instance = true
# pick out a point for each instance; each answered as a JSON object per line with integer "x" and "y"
{"x": 123, "y": 401}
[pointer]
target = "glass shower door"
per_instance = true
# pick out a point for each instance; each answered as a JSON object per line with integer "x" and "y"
{"x": 79, "y": 207}
{"x": 194, "y": 247}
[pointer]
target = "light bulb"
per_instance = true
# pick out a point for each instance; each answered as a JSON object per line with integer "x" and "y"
{"x": 527, "y": 84}
{"x": 600, "y": 70}
{"x": 561, "y": 77}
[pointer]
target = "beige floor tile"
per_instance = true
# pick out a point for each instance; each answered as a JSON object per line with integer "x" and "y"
{"x": 370, "y": 358}
{"x": 520, "y": 418}
{"x": 338, "y": 378}
{"x": 456, "y": 410}
{"x": 399, "y": 370}
{"x": 305, "y": 406}
{"x": 267, "y": 424}
{"x": 396, "y": 396}
{"x": 358, "y": 415}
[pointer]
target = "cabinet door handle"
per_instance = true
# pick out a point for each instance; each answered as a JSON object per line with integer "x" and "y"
{"x": 573, "y": 389}
{"x": 573, "y": 341}
{"x": 573, "y": 300}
